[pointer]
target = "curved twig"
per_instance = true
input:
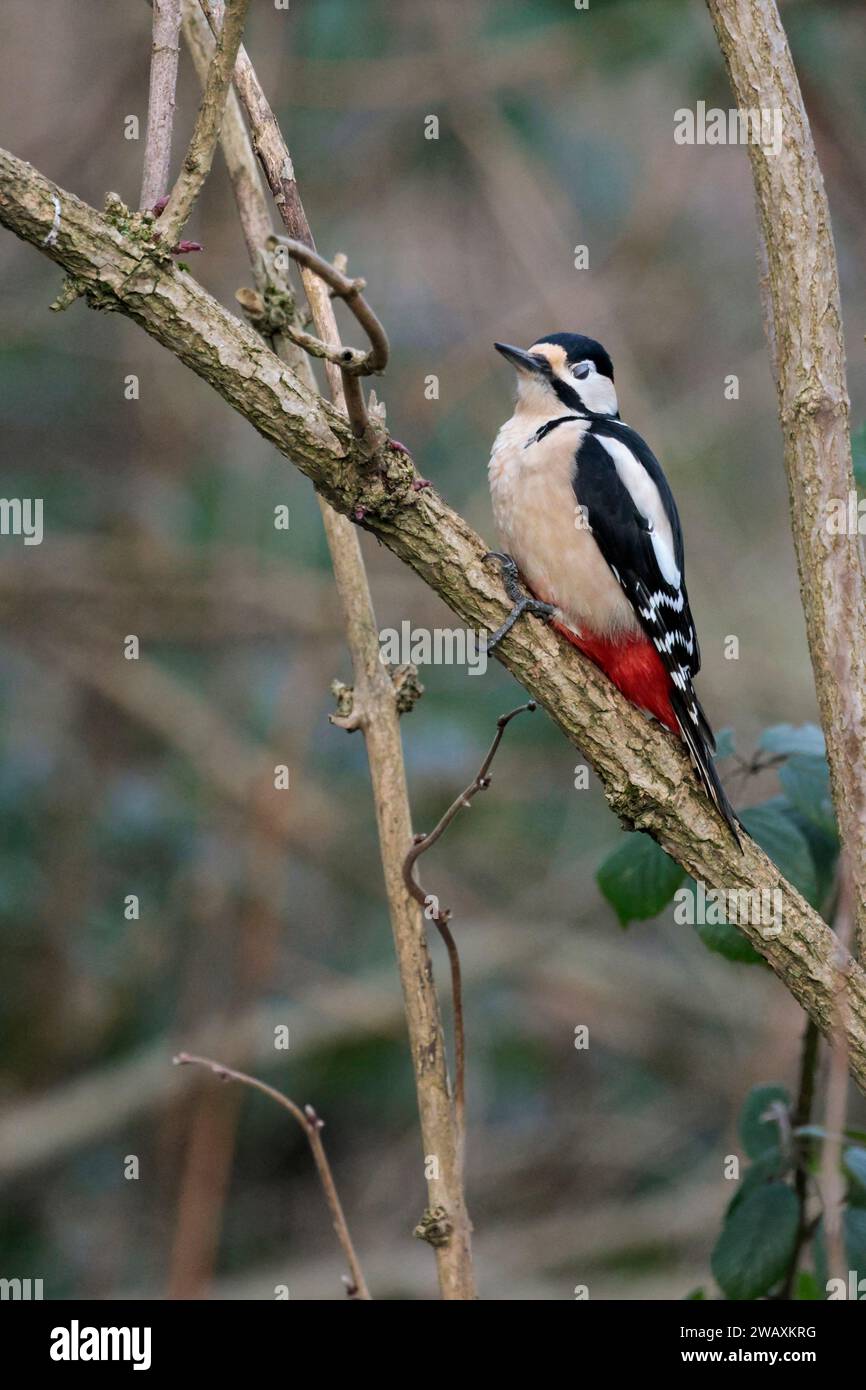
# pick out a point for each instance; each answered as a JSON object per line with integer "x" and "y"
{"x": 312, "y": 1126}
{"x": 442, "y": 915}
{"x": 344, "y": 287}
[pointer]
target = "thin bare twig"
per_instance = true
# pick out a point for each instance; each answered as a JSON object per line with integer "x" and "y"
{"x": 836, "y": 1102}
{"x": 160, "y": 106}
{"x": 442, "y": 915}
{"x": 349, "y": 360}
{"x": 312, "y": 1127}
{"x": 800, "y": 1118}
{"x": 267, "y": 138}
{"x": 279, "y": 171}
{"x": 235, "y": 142}
{"x": 199, "y": 157}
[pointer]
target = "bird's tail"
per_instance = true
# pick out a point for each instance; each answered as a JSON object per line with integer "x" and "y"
{"x": 698, "y": 738}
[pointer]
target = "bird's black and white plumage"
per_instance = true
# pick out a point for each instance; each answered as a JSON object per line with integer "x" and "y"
{"x": 590, "y": 519}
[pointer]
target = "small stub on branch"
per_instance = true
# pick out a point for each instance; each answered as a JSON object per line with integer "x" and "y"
{"x": 346, "y": 715}
{"x": 407, "y": 692}
{"x": 407, "y": 687}
{"x": 70, "y": 290}
{"x": 434, "y": 1227}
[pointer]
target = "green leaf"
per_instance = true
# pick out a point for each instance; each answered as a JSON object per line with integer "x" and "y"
{"x": 725, "y": 746}
{"x": 785, "y": 844}
{"x": 783, "y": 739}
{"x": 854, "y": 1230}
{"x": 757, "y": 1242}
{"x": 805, "y": 780}
{"x": 728, "y": 941}
{"x": 768, "y": 1168}
{"x": 761, "y": 1136}
{"x": 855, "y": 1240}
{"x": 806, "y": 1287}
{"x": 824, "y": 849}
{"x": 854, "y": 1163}
{"x": 639, "y": 879}
{"x": 819, "y": 1132}
{"x": 695, "y": 1296}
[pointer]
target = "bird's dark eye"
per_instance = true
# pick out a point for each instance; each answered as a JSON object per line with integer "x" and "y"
{"x": 582, "y": 370}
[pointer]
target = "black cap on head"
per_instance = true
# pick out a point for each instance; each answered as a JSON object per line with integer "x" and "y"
{"x": 577, "y": 348}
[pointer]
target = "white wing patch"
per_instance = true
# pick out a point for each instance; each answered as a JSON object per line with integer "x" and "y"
{"x": 645, "y": 496}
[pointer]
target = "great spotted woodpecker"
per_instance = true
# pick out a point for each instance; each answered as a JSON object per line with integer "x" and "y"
{"x": 590, "y": 524}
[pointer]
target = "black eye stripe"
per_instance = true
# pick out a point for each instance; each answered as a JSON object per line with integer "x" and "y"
{"x": 569, "y": 397}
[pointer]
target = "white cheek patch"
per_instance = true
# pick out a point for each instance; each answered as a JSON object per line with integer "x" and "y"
{"x": 597, "y": 392}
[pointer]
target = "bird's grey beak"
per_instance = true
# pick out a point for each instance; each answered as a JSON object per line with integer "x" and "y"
{"x": 523, "y": 361}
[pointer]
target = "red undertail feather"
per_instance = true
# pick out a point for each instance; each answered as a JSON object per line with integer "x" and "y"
{"x": 634, "y": 666}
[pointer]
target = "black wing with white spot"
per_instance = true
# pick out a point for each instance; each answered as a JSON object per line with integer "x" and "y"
{"x": 652, "y": 580}
{"x": 627, "y": 540}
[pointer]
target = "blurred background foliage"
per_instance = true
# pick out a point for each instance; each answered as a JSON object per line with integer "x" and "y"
{"x": 152, "y": 777}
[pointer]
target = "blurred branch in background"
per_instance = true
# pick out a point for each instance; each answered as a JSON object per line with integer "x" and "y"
{"x": 239, "y": 770}
{"x": 163, "y": 596}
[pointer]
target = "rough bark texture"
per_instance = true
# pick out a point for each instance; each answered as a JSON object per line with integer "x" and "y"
{"x": 644, "y": 771}
{"x": 804, "y": 331}
{"x": 160, "y": 108}
{"x": 203, "y": 142}
{"x": 266, "y": 135}
{"x": 239, "y": 158}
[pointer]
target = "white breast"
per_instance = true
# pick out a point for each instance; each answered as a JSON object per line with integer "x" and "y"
{"x": 538, "y": 518}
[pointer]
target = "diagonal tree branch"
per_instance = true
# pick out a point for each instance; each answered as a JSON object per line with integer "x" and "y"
{"x": 644, "y": 771}
{"x": 803, "y": 324}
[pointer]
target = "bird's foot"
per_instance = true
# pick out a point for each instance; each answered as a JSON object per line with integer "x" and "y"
{"x": 523, "y": 602}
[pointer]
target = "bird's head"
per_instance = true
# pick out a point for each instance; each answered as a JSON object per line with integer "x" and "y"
{"x": 563, "y": 372}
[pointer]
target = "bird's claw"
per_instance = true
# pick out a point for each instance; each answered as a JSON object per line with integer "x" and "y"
{"x": 523, "y": 602}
